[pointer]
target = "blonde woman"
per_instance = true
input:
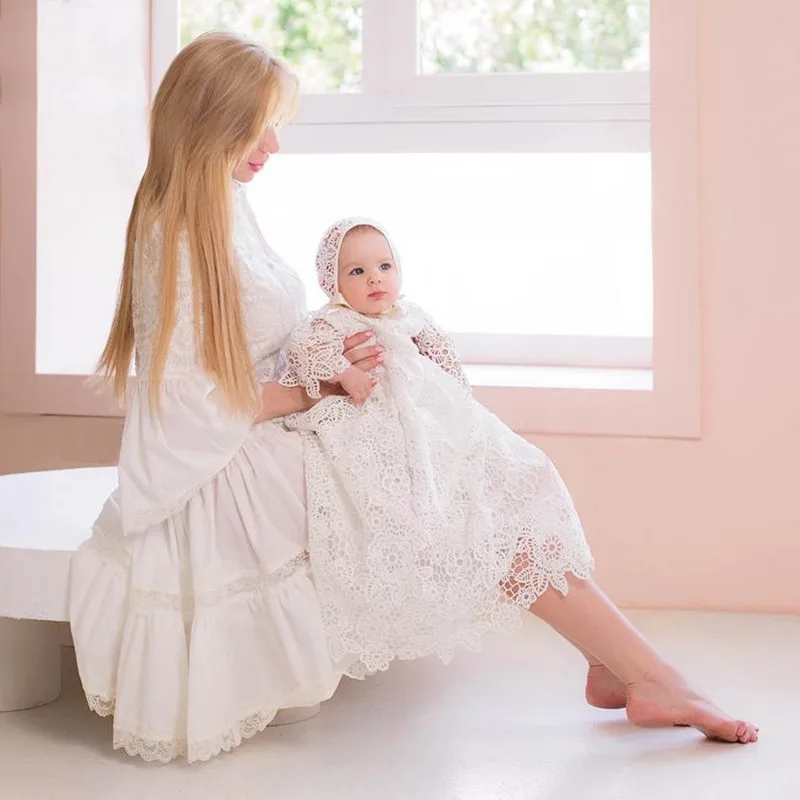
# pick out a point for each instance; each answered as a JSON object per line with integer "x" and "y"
{"x": 194, "y": 613}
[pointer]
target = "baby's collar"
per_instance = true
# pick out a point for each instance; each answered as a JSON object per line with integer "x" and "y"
{"x": 394, "y": 312}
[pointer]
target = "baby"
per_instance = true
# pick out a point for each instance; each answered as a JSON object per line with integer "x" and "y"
{"x": 430, "y": 521}
{"x": 369, "y": 284}
{"x": 358, "y": 269}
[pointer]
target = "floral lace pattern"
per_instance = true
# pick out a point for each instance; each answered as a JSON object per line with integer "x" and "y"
{"x": 437, "y": 345}
{"x": 314, "y": 354}
{"x": 430, "y": 522}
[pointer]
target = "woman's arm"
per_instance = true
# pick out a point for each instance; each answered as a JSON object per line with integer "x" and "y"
{"x": 278, "y": 401}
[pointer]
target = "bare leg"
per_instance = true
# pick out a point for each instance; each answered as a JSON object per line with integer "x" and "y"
{"x": 657, "y": 695}
{"x": 603, "y": 688}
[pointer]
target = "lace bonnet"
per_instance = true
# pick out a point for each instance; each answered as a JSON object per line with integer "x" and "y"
{"x": 328, "y": 252}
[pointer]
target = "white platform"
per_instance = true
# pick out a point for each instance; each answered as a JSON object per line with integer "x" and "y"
{"x": 44, "y": 516}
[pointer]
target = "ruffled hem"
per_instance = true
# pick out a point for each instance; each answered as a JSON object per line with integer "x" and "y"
{"x": 165, "y": 750}
{"x": 196, "y": 633}
{"x": 142, "y": 624}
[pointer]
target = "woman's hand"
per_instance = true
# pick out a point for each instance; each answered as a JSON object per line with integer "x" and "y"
{"x": 365, "y": 358}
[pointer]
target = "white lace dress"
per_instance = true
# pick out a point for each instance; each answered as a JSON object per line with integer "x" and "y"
{"x": 430, "y": 521}
{"x": 193, "y": 611}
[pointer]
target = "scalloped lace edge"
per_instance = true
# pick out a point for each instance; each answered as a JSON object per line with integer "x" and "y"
{"x": 166, "y": 750}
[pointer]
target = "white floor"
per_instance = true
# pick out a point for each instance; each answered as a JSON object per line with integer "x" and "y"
{"x": 508, "y": 724}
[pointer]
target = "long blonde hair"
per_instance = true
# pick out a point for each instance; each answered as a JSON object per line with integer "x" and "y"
{"x": 218, "y": 96}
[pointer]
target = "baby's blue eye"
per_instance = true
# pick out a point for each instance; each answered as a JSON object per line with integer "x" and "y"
{"x": 357, "y": 271}
{"x": 386, "y": 266}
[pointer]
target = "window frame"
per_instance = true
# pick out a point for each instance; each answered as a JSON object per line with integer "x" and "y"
{"x": 671, "y": 409}
{"x": 399, "y": 110}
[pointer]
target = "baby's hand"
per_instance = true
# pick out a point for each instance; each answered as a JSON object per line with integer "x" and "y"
{"x": 357, "y": 384}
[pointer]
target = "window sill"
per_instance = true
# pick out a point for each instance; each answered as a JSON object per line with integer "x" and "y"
{"x": 582, "y": 401}
{"x": 513, "y": 376}
{"x": 530, "y": 400}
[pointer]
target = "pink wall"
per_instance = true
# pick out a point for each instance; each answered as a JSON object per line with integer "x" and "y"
{"x": 716, "y": 523}
{"x": 711, "y": 524}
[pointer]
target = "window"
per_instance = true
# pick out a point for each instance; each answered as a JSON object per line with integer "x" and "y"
{"x": 505, "y": 143}
{"x": 322, "y": 41}
{"x": 507, "y": 36}
{"x": 510, "y": 145}
{"x": 90, "y": 156}
{"x": 491, "y": 244}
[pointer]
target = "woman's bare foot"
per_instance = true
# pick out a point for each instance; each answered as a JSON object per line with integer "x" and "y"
{"x": 604, "y": 689}
{"x": 667, "y": 700}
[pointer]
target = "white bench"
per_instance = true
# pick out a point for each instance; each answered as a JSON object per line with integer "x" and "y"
{"x": 44, "y": 516}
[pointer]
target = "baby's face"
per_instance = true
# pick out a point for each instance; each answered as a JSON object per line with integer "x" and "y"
{"x": 368, "y": 277}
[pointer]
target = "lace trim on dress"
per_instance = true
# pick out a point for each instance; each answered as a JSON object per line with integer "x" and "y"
{"x": 254, "y": 583}
{"x": 101, "y": 706}
{"x": 504, "y": 618}
{"x": 110, "y": 548}
{"x": 166, "y": 750}
{"x": 438, "y": 346}
{"x": 314, "y": 355}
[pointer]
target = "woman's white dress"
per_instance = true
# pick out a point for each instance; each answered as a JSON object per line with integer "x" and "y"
{"x": 193, "y": 612}
{"x": 430, "y": 521}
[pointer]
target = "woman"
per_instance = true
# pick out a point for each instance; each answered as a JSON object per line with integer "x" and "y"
{"x": 194, "y": 614}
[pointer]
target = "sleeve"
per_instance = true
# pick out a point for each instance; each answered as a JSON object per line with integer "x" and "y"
{"x": 169, "y": 453}
{"x": 314, "y": 354}
{"x": 437, "y": 345}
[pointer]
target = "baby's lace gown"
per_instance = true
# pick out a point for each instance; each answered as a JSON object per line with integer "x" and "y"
{"x": 193, "y": 612}
{"x": 430, "y": 521}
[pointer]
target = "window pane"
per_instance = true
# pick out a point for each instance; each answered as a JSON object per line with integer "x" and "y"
{"x": 92, "y": 98}
{"x": 322, "y": 41}
{"x": 490, "y": 242}
{"x": 494, "y": 36}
